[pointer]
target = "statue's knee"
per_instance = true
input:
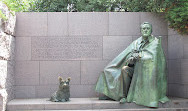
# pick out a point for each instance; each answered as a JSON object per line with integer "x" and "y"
{"x": 125, "y": 68}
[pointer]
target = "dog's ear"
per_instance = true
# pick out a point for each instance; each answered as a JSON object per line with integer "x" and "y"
{"x": 68, "y": 79}
{"x": 60, "y": 79}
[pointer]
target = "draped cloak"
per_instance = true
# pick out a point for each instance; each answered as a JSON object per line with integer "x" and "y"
{"x": 148, "y": 84}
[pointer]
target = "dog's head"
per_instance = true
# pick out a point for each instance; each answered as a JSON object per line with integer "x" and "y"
{"x": 64, "y": 83}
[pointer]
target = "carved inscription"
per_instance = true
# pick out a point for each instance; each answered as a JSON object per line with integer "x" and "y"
{"x": 66, "y": 48}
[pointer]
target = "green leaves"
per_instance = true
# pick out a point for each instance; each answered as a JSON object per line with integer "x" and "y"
{"x": 176, "y": 11}
{"x": 50, "y": 5}
{"x": 3, "y": 16}
{"x": 99, "y": 5}
{"x": 18, "y": 5}
{"x": 177, "y": 15}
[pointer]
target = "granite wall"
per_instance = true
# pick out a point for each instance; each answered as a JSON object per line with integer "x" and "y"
{"x": 178, "y": 64}
{"x": 76, "y": 45}
{"x": 7, "y": 60}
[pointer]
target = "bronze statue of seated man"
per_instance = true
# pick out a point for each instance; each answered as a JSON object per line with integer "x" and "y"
{"x": 138, "y": 74}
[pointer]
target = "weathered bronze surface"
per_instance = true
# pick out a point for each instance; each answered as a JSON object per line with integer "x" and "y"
{"x": 138, "y": 74}
{"x": 63, "y": 93}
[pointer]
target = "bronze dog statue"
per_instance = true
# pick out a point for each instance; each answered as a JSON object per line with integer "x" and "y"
{"x": 63, "y": 93}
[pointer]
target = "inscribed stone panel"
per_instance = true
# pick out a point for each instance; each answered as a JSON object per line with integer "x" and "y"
{"x": 67, "y": 48}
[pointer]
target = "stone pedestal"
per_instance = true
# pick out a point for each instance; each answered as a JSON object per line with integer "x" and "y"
{"x": 88, "y": 104}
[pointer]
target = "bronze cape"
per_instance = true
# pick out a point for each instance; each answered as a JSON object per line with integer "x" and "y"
{"x": 148, "y": 85}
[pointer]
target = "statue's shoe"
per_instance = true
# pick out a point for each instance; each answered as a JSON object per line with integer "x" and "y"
{"x": 122, "y": 101}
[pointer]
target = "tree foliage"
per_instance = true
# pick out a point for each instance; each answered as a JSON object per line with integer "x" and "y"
{"x": 177, "y": 15}
{"x": 50, "y": 6}
{"x": 176, "y": 11}
{"x": 75, "y": 5}
{"x": 99, "y": 5}
{"x": 3, "y": 16}
{"x": 18, "y": 5}
{"x": 146, "y": 5}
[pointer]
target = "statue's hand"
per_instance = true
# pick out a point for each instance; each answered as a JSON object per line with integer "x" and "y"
{"x": 136, "y": 56}
{"x": 131, "y": 60}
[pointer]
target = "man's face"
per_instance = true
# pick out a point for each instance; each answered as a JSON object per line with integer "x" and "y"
{"x": 146, "y": 30}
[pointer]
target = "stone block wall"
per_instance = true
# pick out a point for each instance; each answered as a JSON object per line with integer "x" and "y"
{"x": 7, "y": 57}
{"x": 178, "y": 64}
{"x": 76, "y": 45}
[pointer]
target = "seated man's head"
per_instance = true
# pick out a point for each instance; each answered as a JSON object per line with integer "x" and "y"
{"x": 146, "y": 29}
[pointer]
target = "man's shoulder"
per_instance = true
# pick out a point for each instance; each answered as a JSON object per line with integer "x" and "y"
{"x": 159, "y": 38}
{"x": 153, "y": 38}
{"x": 138, "y": 39}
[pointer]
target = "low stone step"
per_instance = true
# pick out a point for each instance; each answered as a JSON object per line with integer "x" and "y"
{"x": 159, "y": 109}
{"x": 176, "y": 104}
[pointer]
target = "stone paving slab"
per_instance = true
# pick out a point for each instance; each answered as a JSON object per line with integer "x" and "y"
{"x": 87, "y": 104}
{"x": 159, "y": 109}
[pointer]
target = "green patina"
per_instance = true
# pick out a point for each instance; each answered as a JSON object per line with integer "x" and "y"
{"x": 146, "y": 82}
